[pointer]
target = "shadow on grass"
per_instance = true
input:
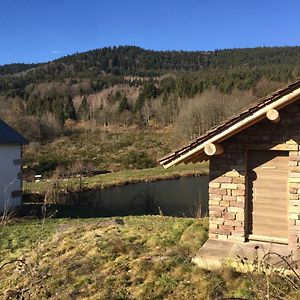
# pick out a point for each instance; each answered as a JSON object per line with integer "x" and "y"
{"x": 37, "y": 210}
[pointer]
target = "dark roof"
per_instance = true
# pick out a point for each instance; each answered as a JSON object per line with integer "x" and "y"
{"x": 263, "y": 102}
{"x": 9, "y": 136}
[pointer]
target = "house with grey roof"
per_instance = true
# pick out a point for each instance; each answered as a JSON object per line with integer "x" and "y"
{"x": 10, "y": 167}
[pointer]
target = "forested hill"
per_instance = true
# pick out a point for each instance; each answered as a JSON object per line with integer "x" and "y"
{"x": 129, "y": 85}
{"x": 131, "y": 60}
{"x": 74, "y": 100}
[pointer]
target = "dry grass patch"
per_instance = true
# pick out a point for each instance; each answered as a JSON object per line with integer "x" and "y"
{"x": 146, "y": 257}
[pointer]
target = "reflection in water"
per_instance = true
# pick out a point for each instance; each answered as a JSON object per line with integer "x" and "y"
{"x": 176, "y": 197}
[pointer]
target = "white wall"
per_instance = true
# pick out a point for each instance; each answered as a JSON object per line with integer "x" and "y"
{"x": 8, "y": 175}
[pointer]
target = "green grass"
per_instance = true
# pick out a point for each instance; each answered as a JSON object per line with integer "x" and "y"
{"x": 22, "y": 236}
{"x": 122, "y": 177}
{"x": 149, "y": 257}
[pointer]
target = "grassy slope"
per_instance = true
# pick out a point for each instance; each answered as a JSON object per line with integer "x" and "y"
{"x": 147, "y": 258}
{"x": 100, "y": 148}
{"x": 122, "y": 177}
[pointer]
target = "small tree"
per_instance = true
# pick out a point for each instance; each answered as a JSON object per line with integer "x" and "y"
{"x": 84, "y": 110}
{"x": 69, "y": 110}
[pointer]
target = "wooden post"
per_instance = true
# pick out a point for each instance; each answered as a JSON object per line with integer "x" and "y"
{"x": 213, "y": 149}
{"x": 273, "y": 115}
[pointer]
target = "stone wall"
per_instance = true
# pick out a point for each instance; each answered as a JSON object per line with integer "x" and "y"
{"x": 228, "y": 180}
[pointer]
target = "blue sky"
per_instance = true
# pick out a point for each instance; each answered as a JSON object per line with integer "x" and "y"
{"x": 42, "y": 30}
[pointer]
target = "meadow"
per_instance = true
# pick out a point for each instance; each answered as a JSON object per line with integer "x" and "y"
{"x": 145, "y": 257}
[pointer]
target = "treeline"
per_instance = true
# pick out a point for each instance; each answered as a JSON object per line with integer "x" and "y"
{"x": 275, "y": 63}
{"x": 143, "y": 87}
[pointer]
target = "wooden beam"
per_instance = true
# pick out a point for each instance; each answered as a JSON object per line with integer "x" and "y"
{"x": 196, "y": 158}
{"x": 273, "y": 115}
{"x": 213, "y": 149}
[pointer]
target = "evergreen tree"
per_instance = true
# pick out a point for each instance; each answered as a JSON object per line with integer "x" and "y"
{"x": 69, "y": 110}
{"x": 84, "y": 110}
{"x": 124, "y": 105}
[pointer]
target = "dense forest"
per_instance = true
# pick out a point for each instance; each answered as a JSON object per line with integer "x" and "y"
{"x": 129, "y": 86}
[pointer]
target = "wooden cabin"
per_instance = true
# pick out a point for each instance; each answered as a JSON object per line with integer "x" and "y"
{"x": 10, "y": 167}
{"x": 254, "y": 180}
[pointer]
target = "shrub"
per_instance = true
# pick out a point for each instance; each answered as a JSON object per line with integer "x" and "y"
{"x": 137, "y": 160}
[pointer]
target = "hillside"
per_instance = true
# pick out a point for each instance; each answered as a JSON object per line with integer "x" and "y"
{"x": 75, "y": 97}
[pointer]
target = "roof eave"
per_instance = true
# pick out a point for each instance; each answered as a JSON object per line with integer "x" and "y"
{"x": 224, "y": 134}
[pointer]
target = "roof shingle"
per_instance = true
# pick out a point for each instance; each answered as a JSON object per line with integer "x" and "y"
{"x": 9, "y": 136}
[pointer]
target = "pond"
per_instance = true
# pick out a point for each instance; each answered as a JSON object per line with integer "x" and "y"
{"x": 186, "y": 197}
{"x": 183, "y": 197}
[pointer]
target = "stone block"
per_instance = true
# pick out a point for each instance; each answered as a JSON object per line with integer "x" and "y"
{"x": 294, "y": 185}
{"x": 294, "y": 203}
{"x": 236, "y": 210}
{"x": 293, "y": 246}
{"x": 238, "y": 234}
{"x": 217, "y": 191}
{"x": 236, "y": 204}
{"x": 241, "y": 187}
{"x": 214, "y": 202}
{"x": 215, "y": 214}
{"x": 293, "y": 196}
{"x": 217, "y": 221}
{"x": 228, "y": 216}
{"x": 238, "y": 180}
{"x": 227, "y": 227}
{"x": 294, "y": 174}
{"x": 294, "y": 179}
{"x": 295, "y": 169}
{"x": 213, "y": 226}
{"x": 231, "y": 186}
{"x": 233, "y": 223}
{"x": 222, "y": 236}
{"x": 294, "y": 158}
{"x": 291, "y": 142}
{"x": 238, "y": 192}
{"x": 230, "y": 198}
{"x": 217, "y": 208}
{"x": 292, "y": 147}
{"x": 215, "y": 197}
{"x": 293, "y": 238}
{"x": 292, "y": 216}
{"x": 240, "y": 217}
{"x": 232, "y": 173}
{"x": 225, "y": 203}
{"x": 214, "y": 185}
{"x": 222, "y": 179}
{"x": 240, "y": 198}
{"x": 294, "y": 209}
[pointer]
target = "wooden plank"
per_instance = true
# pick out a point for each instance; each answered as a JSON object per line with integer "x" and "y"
{"x": 268, "y": 193}
{"x": 268, "y": 239}
{"x": 280, "y": 209}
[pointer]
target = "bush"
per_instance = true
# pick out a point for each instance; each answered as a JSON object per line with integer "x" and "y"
{"x": 137, "y": 160}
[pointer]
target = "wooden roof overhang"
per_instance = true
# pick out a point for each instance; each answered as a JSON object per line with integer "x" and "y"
{"x": 194, "y": 152}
